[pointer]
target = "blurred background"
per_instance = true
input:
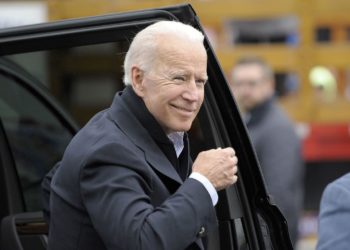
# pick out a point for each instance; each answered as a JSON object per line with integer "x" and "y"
{"x": 307, "y": 42}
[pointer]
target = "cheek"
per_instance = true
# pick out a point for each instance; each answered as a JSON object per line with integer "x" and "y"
{"x": 242, "y": 93}
{"x": 172, "y": 93}
{"x": 260, "y": 96}
{"x": 201, "y": 98}
{"x": 264, "y": 92}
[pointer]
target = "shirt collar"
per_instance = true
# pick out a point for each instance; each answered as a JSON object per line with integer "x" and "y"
{"x": 177, "y": 138}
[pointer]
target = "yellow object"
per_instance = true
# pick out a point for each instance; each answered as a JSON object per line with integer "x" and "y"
{"x": 322, "y": 79}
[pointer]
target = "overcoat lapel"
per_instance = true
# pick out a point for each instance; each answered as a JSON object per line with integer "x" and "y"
{"x": 124, "y": 119}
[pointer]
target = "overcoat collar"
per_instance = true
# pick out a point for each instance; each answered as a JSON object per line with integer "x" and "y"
{"x": 259, "y": 112}
{"x": 130, "y": 114}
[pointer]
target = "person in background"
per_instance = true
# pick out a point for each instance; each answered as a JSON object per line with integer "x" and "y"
{"x": 273, "y": 136}
{"x": 334, "y": 217}
{"x": 126, "y": 180}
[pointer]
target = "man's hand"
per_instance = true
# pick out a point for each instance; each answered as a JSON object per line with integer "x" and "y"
{"x": 219, "y": 166}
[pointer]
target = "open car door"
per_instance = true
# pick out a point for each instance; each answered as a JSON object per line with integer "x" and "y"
{"x": 245, "y": 216}
{"x": 34, "y": 132}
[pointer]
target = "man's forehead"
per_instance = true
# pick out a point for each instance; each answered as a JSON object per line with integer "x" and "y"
{"x": 248, "y": 71}
{"x": 179, "y": 49}
{"x": 173, "y": 42}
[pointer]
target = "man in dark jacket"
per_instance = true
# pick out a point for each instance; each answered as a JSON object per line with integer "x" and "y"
{"x": 126, "y": 180}
{"x": 273, "y": 136}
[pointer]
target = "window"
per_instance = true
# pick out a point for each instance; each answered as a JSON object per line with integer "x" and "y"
{"x": 203, "y": 136}
{"x": 36, "y": 136}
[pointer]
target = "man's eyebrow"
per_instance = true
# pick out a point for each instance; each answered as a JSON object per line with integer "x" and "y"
{"x": 185, "y": 72}
{"x": 204, "y": 76}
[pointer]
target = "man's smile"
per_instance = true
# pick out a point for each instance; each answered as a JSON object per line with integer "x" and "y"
{"x": 184, "y": 110}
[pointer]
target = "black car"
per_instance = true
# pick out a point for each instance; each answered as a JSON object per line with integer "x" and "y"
{"x": 40, "y": 61}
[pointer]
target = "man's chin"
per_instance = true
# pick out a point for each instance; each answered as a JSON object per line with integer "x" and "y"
{"x": 182, "y": 128}
{"x": 247, "y": 107}
{"x": 243, "y": 108}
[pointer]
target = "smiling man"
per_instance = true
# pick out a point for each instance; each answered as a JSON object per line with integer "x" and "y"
{"x": 126, "y": 180}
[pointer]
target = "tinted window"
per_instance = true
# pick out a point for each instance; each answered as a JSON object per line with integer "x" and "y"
{"x": 84, "y": 79}
{"x": 231, "y": 223}
{"x": 36, "y": 136}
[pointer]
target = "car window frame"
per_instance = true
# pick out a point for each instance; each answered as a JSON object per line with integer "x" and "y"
{"x": 39, "y": 91}
{"x": 12, "y": 200}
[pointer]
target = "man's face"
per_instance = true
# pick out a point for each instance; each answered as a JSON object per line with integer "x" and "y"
{"x": 250, "y": 87}
{"x": 173, "y": 90}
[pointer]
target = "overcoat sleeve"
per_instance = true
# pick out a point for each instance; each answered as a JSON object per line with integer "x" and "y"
{"x": 118, "y": 189}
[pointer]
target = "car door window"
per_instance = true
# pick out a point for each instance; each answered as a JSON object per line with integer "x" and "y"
{"x": 208, "y": 132}
{"x": 36, "y": 136}
{"x": 83, "y": 79}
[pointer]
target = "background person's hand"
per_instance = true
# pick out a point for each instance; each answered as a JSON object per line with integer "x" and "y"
{"x": 219, "y": 166}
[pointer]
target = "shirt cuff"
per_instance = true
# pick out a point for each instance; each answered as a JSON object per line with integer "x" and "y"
{"x": 208, "y": 186}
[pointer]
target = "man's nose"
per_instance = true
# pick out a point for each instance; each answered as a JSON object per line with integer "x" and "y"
{"x": 192, "y": 91}
{"x": 245, "y": 88}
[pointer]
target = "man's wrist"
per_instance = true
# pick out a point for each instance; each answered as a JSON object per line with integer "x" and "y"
{"x": 208, "y": 186}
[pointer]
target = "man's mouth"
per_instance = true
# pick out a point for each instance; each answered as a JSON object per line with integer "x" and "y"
{"x": 185, "y": 110}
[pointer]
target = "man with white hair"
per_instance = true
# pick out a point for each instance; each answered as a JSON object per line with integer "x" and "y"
{"x": 126, "y": 180}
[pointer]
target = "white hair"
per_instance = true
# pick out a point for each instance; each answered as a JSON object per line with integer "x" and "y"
{"x": 143, "y": 47}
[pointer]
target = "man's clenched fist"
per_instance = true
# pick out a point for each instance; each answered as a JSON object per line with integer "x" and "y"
{"x": 219, "y": 166}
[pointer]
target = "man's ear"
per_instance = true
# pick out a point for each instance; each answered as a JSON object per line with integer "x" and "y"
{"x": 137, "y": 76}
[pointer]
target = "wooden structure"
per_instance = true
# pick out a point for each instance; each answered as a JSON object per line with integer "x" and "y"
{"x": 311, "y": 14}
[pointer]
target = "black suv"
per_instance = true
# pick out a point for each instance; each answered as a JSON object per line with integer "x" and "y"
{"x": 35, "y": 129}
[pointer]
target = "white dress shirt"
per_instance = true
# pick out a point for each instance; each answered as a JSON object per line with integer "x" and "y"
{"x": 177, "y": 140}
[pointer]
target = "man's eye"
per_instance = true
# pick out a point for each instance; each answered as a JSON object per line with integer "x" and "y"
{"x": 200, "y": 82}
{"x": 179, "y": 78}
